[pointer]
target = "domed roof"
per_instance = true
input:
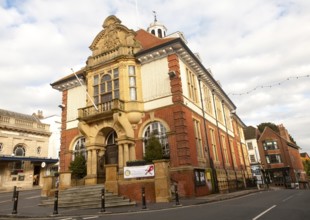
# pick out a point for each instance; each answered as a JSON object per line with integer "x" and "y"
{"x": 156, "y": 28}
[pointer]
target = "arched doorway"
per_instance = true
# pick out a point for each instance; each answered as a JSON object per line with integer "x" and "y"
{"x": 111, "y": 153}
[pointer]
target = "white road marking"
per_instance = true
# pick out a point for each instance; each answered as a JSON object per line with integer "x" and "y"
{"x": 284, "y": 200}
{"x": 264, "y": 212}
{"x": 6, "y": 201}
{"x": 91, "y": 217}
{"x": 33, "y": 197}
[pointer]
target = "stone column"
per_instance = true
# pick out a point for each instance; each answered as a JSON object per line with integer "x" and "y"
{"x": 132, "y": 152}
{"x": 120, "y": 156}
{"x": 126, "y": 153}
{"x": 94, "y": 162}
{"x": 89, "y": 162}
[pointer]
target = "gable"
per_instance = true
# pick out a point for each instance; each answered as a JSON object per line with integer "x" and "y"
{"x": 114, "y": 40}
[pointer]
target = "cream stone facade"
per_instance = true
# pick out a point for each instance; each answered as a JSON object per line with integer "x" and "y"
{"x": 24, "y": 150}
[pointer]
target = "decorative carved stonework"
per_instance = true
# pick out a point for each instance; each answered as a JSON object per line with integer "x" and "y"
{"x": 114, "y": 40}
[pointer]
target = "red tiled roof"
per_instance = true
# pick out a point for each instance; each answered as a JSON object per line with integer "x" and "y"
{"x": 148, "y": 40}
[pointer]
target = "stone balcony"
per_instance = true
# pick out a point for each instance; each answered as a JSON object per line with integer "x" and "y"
{"x": 104, "y": 110}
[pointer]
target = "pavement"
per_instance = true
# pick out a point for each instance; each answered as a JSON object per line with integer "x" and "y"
{"x": 34, "y": 211}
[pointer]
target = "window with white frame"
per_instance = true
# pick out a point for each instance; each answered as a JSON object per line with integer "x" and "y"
{"x": 213, "y": 144}
{"x": 225, "y": 148}
{"x": 252, "y": 158}
{"x": 219, "y": 110}
{"x": 250, "y": 145}
{"x": 132, "y": 83}
{"x": 270, "y": 145}
{"x": 159, "y": 131}
{"x": 106, "y": 86}
{"x": 191, "y": 84}
{"x": 207, "y": 99}
{"x": 198, "y": 140}
{"x": 273, "y": 158}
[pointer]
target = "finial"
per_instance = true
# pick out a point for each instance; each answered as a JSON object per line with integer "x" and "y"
{"x": 155, "y": 19}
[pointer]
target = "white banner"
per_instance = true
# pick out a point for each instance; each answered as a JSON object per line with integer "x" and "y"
{"x": 139, "y": 171}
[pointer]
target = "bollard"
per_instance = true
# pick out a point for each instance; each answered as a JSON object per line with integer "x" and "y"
{"x": 102, "y": 201}
{"x": 143, "y": 198}
{"x": 15, "y": 202}
{"x": 177, "y": 202}
{"x": 56, "y": 203}
{"x": 14, "y": 193}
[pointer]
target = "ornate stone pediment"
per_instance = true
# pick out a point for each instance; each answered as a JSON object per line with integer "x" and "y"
{"x": 114, "y": 40}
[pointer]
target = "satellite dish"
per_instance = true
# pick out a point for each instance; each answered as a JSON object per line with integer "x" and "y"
{"x": 43, "y": 164}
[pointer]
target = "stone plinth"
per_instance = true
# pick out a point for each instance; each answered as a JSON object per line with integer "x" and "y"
{"x": 162, "y": 181}
{"x": 111, "y": 183}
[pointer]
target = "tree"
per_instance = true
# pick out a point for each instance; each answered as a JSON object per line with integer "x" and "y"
{"x": 307, "y": 166}
{"x": 271, "y": 125}
{"x": 153, "y": 149}
{"x": 78, "y": 166}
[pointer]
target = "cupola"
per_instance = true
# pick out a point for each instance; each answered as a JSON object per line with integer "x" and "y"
{"x": 156, "y": 28}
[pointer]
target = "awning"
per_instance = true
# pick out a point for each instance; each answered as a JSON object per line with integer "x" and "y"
{"x": 32, "y": 159}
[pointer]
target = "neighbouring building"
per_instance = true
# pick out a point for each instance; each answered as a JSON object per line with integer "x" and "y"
{"x": 304, "y": 156}
{"x": 143, "y": 83}
{"x": 24, "y": 143}
{"x": 251, "y": 134}
{"x": 54, "y": 121}
{"x": 280, "y": 159}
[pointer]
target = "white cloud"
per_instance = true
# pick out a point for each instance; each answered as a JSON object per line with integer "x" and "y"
{"x": 246, "y": 44}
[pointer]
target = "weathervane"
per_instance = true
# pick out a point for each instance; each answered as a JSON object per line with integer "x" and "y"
{"x": 155, "y": 19}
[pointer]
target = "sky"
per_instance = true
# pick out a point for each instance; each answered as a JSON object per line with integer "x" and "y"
{"x": 257, "y": 49}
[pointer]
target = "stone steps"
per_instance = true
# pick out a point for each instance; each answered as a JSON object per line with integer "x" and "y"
{"x": 86, "y": 197}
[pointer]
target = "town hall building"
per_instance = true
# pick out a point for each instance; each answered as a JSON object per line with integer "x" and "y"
{"x": 139, "y": 84}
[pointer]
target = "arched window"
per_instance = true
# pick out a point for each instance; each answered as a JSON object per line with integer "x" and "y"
{"x": 19, "y": 151}
{"x": 39, "y": 150}
{"x": 159, "y": 131}
{"x": 79, "y": 148}
{"x": 106, "y": 86}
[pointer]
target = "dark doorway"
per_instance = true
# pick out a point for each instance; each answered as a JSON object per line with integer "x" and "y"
{"x": 36, "y": 175}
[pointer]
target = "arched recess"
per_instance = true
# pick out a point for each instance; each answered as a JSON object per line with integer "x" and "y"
{"x": 160, "y": 129}
{"x": 19, "y": 151}
{"x": 78, "y": 146}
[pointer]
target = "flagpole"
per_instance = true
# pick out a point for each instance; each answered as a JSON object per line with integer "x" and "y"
{"x": 86, "y": 90}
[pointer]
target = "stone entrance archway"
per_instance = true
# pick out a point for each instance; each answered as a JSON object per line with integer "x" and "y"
{"x": 108, "y": 141}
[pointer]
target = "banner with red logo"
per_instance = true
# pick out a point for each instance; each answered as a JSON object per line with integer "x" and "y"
{"x": 139, "y": 171}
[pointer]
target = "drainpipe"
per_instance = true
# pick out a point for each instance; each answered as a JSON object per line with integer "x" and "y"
{"x": 231, "y": 156}
{"x": 219, "y": 137}
{"x": 216, "y": 190}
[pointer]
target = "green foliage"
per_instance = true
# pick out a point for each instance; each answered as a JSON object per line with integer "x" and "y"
{"x": 292, "y": 139}
{"x": 307, "y": 166}
{"x": 271, "y": 125}
{"x": 78, "y": 166}
{"x": 153, "y": 150}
